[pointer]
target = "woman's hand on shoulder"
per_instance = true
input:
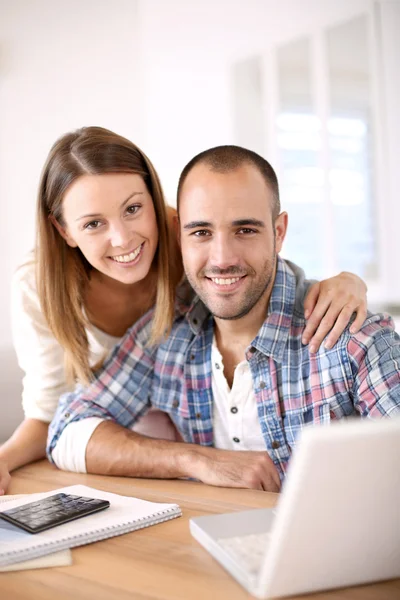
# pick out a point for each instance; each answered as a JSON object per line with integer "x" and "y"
{"x": 329, "y": 306}
{"x": 5, "y": 477}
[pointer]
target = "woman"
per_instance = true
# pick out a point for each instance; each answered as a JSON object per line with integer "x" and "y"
{"x": 104, "y": 255}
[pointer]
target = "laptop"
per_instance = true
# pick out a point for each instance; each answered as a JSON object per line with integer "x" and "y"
{"x": 337, "y": 521}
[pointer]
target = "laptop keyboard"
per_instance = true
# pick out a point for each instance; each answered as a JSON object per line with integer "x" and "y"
{"x": 248, "y": 550}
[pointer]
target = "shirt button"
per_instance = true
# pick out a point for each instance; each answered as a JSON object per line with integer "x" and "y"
{"x": 252, "y": 349}
{"x": 192, "y": 357}
{"x": 234, "y": 410}
{"x": 262, "y": 384}
{"x": 236, "y": 440}
{"x": 275, "y": 444}
{"x": 67, "y": 415}
{"x": 175, "y": 404}
{"x": 198, "y": 415}
{"x": 217, "y": 366}
{"x": 195, "y": 321}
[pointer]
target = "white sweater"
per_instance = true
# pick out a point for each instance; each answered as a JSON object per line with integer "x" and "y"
{"x": 39, "y": 354}
{"x": 41, "y": 358}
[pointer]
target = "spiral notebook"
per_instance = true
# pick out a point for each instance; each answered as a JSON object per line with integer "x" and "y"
{"x": 125, "y": 514}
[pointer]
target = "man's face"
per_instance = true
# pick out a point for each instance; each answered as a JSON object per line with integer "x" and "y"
{"x": 229, "y": 242}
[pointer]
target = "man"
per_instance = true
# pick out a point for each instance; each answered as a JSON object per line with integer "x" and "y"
{"x": 240, "y": 379}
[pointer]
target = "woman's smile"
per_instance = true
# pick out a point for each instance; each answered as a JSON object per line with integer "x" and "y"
{"x": 129, "y": 258}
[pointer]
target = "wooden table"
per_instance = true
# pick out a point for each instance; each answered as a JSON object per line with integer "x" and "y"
{"x": 159, "y": 563}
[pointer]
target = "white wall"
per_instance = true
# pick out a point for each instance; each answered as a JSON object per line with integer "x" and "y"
{"x": 188, "y": 53}
{"x": 388, "y": 28}
{"x": 62, "y": 65}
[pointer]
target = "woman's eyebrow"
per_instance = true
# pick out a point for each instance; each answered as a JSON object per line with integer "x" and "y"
{"x": 92, "y": 215}
{"x": 130, "y": 197}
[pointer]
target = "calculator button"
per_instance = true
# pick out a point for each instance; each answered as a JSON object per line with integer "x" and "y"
{"x": 35, "y": 505}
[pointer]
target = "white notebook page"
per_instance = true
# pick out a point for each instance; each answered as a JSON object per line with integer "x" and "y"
{"x": 124, "y": 514}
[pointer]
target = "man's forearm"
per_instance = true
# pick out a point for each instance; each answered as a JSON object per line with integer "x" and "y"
{"x": 115, "y": 450}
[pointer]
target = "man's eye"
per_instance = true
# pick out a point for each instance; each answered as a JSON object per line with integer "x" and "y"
{"x": 93, "y": 225}
{"x": 201, "y": 233}
{"x": 131, "y": 210}
{"x": 246, "y": 230}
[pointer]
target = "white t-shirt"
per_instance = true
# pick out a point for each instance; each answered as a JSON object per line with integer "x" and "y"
{"x": 236, "y": 424}
{"x": 39, "y": 354}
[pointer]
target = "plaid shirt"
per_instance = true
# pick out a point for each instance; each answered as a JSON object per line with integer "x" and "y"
{"x": 360, "y": 375}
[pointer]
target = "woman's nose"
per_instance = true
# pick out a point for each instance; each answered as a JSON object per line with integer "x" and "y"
{"x": 119, "y": 235}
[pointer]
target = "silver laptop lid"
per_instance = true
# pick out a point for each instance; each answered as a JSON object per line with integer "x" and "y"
{"x": 338, "y": 519}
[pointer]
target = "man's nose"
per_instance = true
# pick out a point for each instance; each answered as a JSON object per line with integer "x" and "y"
{"x": 119, "y": 235}
{"x": 223, "y": 252}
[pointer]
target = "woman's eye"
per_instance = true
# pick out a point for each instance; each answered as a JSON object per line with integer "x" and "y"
{"x": 93, "y": 225}
{"x": 132, "y": 210}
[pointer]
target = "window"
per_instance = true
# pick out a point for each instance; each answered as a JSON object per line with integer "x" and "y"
{"x": 319, "y": 135}
{"x": 324, "y": 139}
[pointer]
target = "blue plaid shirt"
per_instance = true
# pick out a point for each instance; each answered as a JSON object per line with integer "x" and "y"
{"x": 359, "y": 376}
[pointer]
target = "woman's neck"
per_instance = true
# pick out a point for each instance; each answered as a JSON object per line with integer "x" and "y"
{"x": 113, "y": 306}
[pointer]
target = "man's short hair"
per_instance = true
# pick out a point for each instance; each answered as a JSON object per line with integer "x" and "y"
{"x": 223, "y": 159}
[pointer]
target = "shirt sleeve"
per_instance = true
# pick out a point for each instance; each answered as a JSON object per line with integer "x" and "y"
{"x": 120, "y": 391}
{"x": 70, "y": 452}
{"x": 302, "y": 285}
{"x": 39, "y": 354}
{"x": 374, "y": 354}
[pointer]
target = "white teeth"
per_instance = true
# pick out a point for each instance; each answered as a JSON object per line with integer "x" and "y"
{"x": 127, "y": 257}
{"x": 225, "y": 281}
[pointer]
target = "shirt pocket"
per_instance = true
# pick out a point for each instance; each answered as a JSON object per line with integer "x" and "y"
{"x": 295, "y": 420}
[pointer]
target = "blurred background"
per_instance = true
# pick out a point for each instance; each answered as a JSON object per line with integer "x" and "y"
{"x": 312, "y": 85}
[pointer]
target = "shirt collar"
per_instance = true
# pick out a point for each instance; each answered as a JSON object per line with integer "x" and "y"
{"x": 197, "y": 315}
{"x": 274, "y": 332}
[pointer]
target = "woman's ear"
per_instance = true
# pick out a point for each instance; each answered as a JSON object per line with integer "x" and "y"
{"x": 63, "y": 232}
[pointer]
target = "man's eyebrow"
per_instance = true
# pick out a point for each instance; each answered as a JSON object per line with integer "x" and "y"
{"x": 91, "y": 216}
{"x": 195, "y": 224}
{"x": 245, "y": 222}
{"x": 236, "y": 223}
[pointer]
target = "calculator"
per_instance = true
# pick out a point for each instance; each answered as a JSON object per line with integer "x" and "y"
{"x": 52, "y": 511}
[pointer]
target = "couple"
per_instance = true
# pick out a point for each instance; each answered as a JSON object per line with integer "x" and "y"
{"x": 242, "y": 380}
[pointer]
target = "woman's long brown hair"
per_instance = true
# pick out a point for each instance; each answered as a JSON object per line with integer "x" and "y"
{"x": 62, "y": 272}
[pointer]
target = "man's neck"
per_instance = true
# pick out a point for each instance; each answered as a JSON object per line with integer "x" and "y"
{"x": 234, "y": 336}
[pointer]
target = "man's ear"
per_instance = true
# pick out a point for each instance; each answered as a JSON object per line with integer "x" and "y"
{"x": 281, "y": 224}
{"x": 63, "y": 232}
{"x": 177, "y": 229}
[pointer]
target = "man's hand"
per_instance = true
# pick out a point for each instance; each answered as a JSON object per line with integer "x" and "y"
{"x": 239, "y": 469}
{"x": 329, "y": 306}
{"x": 5, "y": 478}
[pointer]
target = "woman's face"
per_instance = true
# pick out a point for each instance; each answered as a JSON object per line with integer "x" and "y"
{"x": 111, "y": 219}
